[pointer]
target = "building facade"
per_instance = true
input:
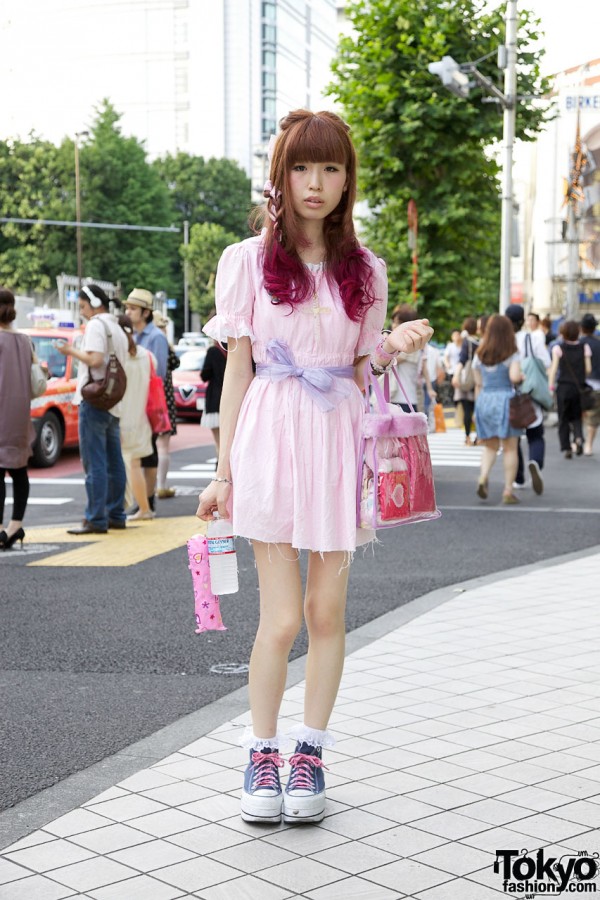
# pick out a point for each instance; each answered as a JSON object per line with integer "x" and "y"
{"x": 207, "y": 77}
{"x": 554, "y": 255}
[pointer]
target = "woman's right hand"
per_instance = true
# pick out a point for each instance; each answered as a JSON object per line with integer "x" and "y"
{"x": 214, "y": 498}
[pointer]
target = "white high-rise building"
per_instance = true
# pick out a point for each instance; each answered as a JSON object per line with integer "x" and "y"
{"x": 209, "y": 77}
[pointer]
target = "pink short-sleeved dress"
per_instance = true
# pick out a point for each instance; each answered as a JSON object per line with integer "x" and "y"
{"x": 293, "y": 465}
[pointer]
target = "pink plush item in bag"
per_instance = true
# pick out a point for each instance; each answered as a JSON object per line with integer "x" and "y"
{"x": 208, "y": 612}
{"x": 395, "y": 479}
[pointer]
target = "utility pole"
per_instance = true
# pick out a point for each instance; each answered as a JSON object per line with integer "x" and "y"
{"x": 186, "y": 287}
{"x": 78, "y": 135}
{"x": 510, "y": 108}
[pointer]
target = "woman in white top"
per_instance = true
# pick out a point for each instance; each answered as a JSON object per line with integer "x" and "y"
{"x": 136, "y": 433}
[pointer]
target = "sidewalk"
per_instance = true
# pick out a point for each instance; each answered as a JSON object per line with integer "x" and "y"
{"x": 467, "y": 722}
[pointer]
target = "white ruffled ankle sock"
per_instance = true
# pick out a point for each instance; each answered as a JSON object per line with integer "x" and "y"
{"x": 312, "y": 736}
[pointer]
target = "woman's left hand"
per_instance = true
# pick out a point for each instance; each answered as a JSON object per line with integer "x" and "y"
{"x": 410, "y": 336}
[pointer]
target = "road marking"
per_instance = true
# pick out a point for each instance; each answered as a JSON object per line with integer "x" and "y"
{"x": 138, "y": 542}
{"x": 449, "y": 449}
{"x": 45, "y": 501}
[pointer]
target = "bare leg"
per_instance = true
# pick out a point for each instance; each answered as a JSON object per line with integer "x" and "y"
{"x": 590, "y": 434}
{"x": 280, "y": 620}
{"x": 324, "y": 611}
{"x": 215, "y": 434}
{"x": 138, "y": 485}
{"x": 488, "y": 458}
{"x": 162, "y": 446}
{"x": 510, "y": 461}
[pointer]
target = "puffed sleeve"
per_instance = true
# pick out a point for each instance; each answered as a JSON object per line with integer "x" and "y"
{"x": 234, "y": 296}
{"x": 374, "y": 320}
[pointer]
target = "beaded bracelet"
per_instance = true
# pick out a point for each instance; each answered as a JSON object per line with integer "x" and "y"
{"x": 226, "y": 480}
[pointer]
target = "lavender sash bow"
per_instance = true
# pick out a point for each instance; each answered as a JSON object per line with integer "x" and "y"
{"x": 321, "y": 383}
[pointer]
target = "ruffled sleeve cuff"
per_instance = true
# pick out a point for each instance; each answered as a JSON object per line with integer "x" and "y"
{"x": 222, "y": 327}
{"x": 368, "y": 342}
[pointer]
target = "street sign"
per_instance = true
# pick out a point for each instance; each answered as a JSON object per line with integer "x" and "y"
{"x": 171, "y": 303}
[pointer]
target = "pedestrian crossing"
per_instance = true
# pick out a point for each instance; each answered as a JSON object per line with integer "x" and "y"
{"x": 447, "y": 450}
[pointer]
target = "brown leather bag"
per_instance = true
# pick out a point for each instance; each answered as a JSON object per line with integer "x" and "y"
{"x": 522, "y": 412}
{"x": 107, "y": 392}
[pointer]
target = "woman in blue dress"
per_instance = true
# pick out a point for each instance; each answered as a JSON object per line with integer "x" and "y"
{"x": 497, "y": 370}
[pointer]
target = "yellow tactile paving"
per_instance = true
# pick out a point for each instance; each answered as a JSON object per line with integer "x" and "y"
{"x": 139, "y": 541}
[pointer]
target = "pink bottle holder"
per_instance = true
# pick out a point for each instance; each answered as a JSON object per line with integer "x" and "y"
{"x": 208, "y": 612}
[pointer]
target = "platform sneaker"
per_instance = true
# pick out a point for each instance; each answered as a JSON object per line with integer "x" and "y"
{"x": 261, "y": 796}
{"x": 304, "y": 795}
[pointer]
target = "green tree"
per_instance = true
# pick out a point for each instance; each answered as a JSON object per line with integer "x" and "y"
{"x": 207, "y": 242}
{"x": 416, "y": 140}
{"x": 214, "y": 190}
{"x": 119, "y": 185}
{"x": 31, "y": 188}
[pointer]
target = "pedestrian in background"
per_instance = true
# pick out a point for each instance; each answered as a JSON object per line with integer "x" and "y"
{"x": 571, "y": 366}
{"x": 305, "y": 298}
{"x": 530, "y": 343}
{"x": 591, "y": 419}
{"x": 17, "y": 434}
{"x": 136, "y": 433}
{"x": 138, "y": 307}
{"x": 99, "y": 433}
{"x": 163, "y": 492}
{"x": 464, "y": 391}
{"x": 213, "y": 372}
{"x": 497, "y": 369}
{"x": 410, "y": 368}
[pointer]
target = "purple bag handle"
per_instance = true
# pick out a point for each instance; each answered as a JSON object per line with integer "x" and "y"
{"x": 383, "y": 397}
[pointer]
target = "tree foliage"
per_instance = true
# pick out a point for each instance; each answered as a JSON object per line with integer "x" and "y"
{"x": 416, "y": 140}
{"x": 118, "y": 185}
{"x": 214, "y": 190}
{"x": 207, "y": 242}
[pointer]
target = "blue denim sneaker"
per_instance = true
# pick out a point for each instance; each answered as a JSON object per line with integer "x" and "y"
{"x": 304, "y": 795}
{"x": 261, "y": 796}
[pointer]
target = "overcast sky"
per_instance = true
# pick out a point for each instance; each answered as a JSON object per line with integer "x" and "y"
{"x": 572, "y": 29}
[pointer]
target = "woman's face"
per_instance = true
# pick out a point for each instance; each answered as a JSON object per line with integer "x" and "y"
{"x": 316, "y": 188}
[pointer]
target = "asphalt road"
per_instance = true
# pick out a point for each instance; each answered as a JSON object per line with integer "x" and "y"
{"x": 95, "y": 658}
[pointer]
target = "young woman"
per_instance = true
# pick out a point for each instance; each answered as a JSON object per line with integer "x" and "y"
{"x": 135, "y": 430}
{"x": 16, "y": 431}
{"x": 571, "y": 366}
{"x": 308, "y": 303}
{"x": 497, "y": 369}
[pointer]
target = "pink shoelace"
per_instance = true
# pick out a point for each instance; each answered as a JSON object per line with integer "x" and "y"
{"x": 302, "y": 775}
{"x": 265, "y": 772}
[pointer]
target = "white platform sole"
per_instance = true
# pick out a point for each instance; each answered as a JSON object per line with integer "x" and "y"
{"x": 310, "y": 808}
{"x": 261, "y": 809}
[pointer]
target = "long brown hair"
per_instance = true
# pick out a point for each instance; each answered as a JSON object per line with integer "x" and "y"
{"x": 314, "y": 137}
{"x": 498, "y": 342}
{"x": 127, "y": 326}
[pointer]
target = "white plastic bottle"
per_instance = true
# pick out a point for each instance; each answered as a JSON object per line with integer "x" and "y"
{"x": 222, "y": 558}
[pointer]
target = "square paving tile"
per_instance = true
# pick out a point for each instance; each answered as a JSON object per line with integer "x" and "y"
{"x": 355, "y": 824}
{"x": 354, "y": 888}
{"x": 253, "y": 856}
{"x": 248, "y": 887}
{"x": 196, "y": 874}
{"x": 167, "y": 822}
{"x": 51, "y": 855}
{"x": 36, "y": 887}
{"x": 354, "y": 857}
{"x": 92, "y": 873}
{"x": 407, "y": 876}
{"x": 142, "y": 887}
{"x": 153, "y": 855}
{"x": 456, "y": 858}
{"x": 305, "y": 872}
{"x": 404, "y": 840}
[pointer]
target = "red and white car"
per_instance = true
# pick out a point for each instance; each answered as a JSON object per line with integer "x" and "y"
{"x": 54, "y": 416}
{"x": 188, "y": 387}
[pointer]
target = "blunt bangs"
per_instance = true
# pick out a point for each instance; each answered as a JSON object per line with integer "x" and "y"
{"x": 318, "y": 140}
